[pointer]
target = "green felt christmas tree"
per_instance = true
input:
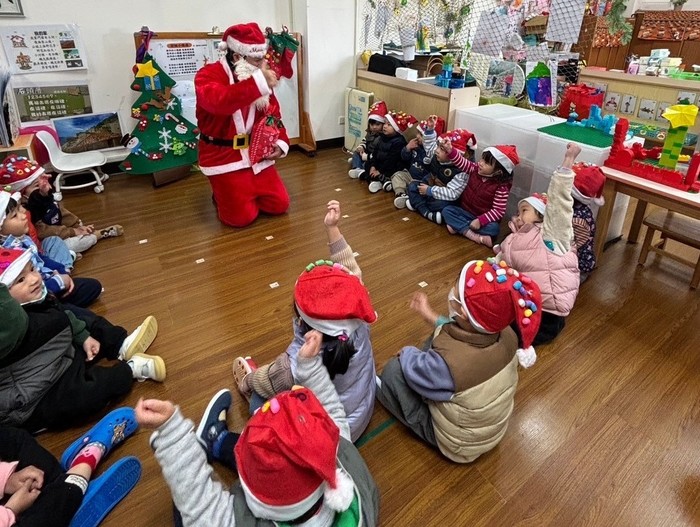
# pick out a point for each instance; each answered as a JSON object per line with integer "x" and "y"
{"x": 162, "y": 139}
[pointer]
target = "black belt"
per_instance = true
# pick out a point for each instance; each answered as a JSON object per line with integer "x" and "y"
{"x": 239, "y": 141}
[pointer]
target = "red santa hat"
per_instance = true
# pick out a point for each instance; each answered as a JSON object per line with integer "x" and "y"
{"x": 588, "y": 184}
{"x": 332, "y": 300}
{"x": 378, "y": 111}
{"x": 245, "y": 39}
{"x": 506, "y": 155}
{"x": 5, "y": 198}
{"x": 12, "y": 261}
{"x": 286, "y": 458}
{"x": 400, "y": 121}
{"x": 538, "y": 202}
{"x": 495, "y": 295}
{"x": 461, "y": 139}
{"x": 18, "y": 172}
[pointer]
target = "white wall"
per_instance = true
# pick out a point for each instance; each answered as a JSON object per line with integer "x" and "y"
{"x": 107, "y": 28}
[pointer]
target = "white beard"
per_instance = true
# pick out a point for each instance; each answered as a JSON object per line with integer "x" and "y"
{"x": 244, "y": 70}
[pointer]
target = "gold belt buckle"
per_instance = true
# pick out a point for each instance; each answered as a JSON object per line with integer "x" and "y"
{"x": 240, "y": 141}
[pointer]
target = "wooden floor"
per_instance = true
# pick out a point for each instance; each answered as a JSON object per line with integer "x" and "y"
{"x": 606, "y": 428}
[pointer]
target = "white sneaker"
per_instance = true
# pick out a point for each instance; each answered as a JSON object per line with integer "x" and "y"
{"x": 400, "y": 201}
{"x": 354, "y": 173}
{"x": 144, "y": 366}
{"x": 387, "y": 186}
{"x": 349, "y": 160}
{"x": 140, "y": 339}
{"x": 408, "y": 205}
{"x": 375, "y": 186}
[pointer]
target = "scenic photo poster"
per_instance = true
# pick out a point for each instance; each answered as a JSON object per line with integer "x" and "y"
{"x": 82, "y": 133}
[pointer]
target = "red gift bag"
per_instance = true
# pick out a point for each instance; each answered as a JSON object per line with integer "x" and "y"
{"x": 263, "y": 138}
{"x": 579, "y": 99}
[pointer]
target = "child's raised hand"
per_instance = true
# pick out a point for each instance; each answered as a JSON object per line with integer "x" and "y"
{"x": 23, "y": 498}
{"x": 432, "y": 121}
{"x": 333, "y": 214}
{"x": 572, "y": 150}
{"x": 445, "y": 144}
{"x": 153, "y": 413}
{"x": 31, "y": 475}
{"x": 312, "y": 344}
{"x": 412, "y": 144}
{"x": 91, "y": 347}
{"x": 419, "y": 302}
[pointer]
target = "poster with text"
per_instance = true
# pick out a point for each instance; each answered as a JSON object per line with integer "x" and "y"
{"x": 40, "y": 49}
{"x": 42, "y": 102}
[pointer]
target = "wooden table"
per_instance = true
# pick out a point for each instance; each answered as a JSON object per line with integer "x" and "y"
{"x": 646, "y": 192}
{"x": 23, "y": 145}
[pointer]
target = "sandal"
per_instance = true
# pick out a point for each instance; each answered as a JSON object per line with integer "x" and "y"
{"x": 111, "y": 430}
{"x": 242, "y": 366}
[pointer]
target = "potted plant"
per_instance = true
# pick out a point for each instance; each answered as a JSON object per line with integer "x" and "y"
{"x": 678, "y": 4}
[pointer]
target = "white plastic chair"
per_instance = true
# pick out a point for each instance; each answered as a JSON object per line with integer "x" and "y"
{"x": 69, "y": 164}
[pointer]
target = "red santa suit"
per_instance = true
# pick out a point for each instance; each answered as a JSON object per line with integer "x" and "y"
{"x": 226, "y": 113}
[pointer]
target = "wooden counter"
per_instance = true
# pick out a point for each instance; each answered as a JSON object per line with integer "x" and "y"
{"x": 418, "y": 98}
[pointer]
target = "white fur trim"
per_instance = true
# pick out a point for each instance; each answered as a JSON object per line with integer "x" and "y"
{"x": 24, "y": 183}
{"x": 276, "y": 512}
{"x": 331, "y": 327}
{"x": 283, "y": 146}
{"x": 503, "y": 159}
{"x": 392, "y": 122}
{"x": 236, "y": 165}
{"x": 462, "y": 280}
{"x": 256, "y": 51}
{"x": 5, "y": 198}
{"x": 222, "y": 46}
{"x": 340, "y": 498}
{"x": 261, "y": 83}
{"x": 536, "y": 203}
{"x": 15, "y": 268}
{"x": 526, "y": 357}
{"x": 599, "y": 202}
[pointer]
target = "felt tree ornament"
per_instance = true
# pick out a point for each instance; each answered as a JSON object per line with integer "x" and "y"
{"x": 162, "y": 138}
{"x": 263, "y": 138}
{"x": 280, "y": 52}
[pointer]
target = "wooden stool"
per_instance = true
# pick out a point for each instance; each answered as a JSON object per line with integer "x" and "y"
{"x": 676, "y": 227}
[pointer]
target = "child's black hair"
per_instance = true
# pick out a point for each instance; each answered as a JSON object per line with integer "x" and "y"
{"x": 11, "y": 206}
{"x": 336, "y": 353}
{"x": 369, "y": 121}
{"x": 500, "y": 174}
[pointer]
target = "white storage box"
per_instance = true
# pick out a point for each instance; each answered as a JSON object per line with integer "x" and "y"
{"x": 407, "y": 73}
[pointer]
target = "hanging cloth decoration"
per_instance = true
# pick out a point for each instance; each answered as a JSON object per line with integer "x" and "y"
{"x": 264, "y": 138}
{"x": 280, "y": 51}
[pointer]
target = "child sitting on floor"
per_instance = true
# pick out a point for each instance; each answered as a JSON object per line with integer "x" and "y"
{"x": 386, "y": 158}
{"x": 48, "y": 372}
{"x": 14, "y": 228}
{"x": 294, "y": 459}
{"x": 331, "y": 298}
{"x": 445, "y": 181}
{"x": 541, "y": 246}
{"x": 458, "y": 394}
{"x": 485, "y": 190}
{"x": 587, "y": 191}
{"x": 51, "y": 218}
{"x": 364, "y": 150}
{"x": 413, "y": 154}
{"x": 45, "y": 492}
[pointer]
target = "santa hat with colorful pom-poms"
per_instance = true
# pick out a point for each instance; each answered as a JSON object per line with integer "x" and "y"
{"x": 286, "y": 459}
{"x": 247, "y": 40}
{"x": 494, "y": 295}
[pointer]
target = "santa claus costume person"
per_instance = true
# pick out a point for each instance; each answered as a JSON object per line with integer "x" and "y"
{"x": 232, "y": 95}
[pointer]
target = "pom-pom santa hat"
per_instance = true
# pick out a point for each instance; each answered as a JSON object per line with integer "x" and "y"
{"x": 400, "y": 121}
{"x": 588, "y": 184}
{"x": 245, "y": 39}
{"x": 538, "y": 202}
{"x": 18, "y": 172}
{"x": 378, "y": 111}
{"x": 332, "y": 300}
{"x": 12, "y": 261}
{"x": 286, "y": 458}
{"x": 460, "y": 139}
{"x": 5, "y": 198}
{"x": 495, "y": 295}
{"x": 506, "y": 155}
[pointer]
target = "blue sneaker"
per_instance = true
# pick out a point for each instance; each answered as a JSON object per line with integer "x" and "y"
{"x": 213, "y": 423}
{"x": 105, "y": 492}
{"x": 111, "y": 430}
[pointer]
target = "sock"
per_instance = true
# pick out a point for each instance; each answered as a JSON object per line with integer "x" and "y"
{"x": 90, "y": 455}
{"x": 478, "y": 238}
{"x": 78, "y": 481}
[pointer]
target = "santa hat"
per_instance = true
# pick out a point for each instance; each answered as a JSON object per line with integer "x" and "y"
{"x": 12, "y": 261}
{"x": 538, "y": 202}
{"x": 5, "y": 198}
{"x": 495, "y": 295}
{"x": 400, "y": 121}
{"x": 378, "y": 111}
{"x": 461, "y": 139}
{"x": 332, "y": 300}
{"x": 245, "y": 39}
{"x": 286, "y": 458}
{"x": 18, "y": 172}
{"x": 588, "y": 184}
{"x": 506, "y": 155}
